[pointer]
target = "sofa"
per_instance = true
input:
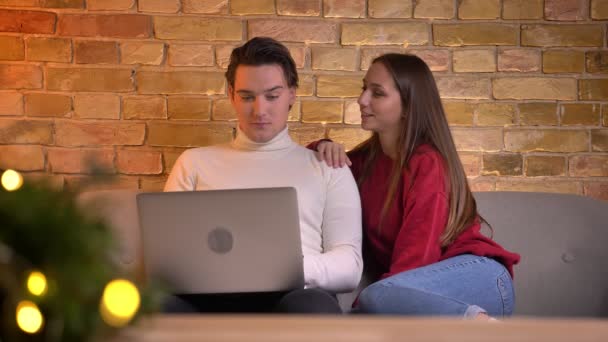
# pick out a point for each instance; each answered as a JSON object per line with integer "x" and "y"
{"x": 562, "y": 239}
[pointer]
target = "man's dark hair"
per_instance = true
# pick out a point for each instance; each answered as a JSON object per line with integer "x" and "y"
{"x": 263, "y": 51}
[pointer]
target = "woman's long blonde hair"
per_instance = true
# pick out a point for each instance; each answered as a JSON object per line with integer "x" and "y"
{"x": 423, "y": 122}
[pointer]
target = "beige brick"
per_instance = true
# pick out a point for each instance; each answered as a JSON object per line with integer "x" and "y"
{"x": 180, "y": 82}
{"x": 191, "y": 55}
{"x": 534, "y": 88}
{"x": 470, "y": 162}
{"x": 557, "y": 61}
{"x": 20, "y": 77}
{"x": 20, "y": 3}
{"x": 158, "y": 6}
{"x": 564, "y": 187}
{"x": 474, "y": 61}
{"x": 198, "y": 28}
{"x": 144, "y": 107}
{"x": 81, "y": 79}
{"x": 534, "y": 114}
{"x": 65, "y": 160}
{"x": 561, "y": 35}
{"x": 94, "y": 183}
{"x": 479, "y": 139}
{"x": 519, "y": 60}
{"x": 538, "y": 166}
{"x": 352, "y": 113}
{"x": 482, "y": 184}
{"x": 344, "y": 8}
{"x": 522, "y": 9}
{"x": 21, "y": 157}
{"x": 304, "y": 135}
{"x": 479, "y": 9}
{"x": 338, "y": 86}
{"x": 146, "y": 53}
{"x": 132, "y": 162}
{"x": 459, "y": 113}
{"x": 463, "y": 87}
{"x": 110, "y": 5}
{"x": 48, "y": 49}
{"x": 389, "y": 9}
{"x": 295, "y": 114}
{"x": 248, "y": 7}
{"x": 546, "y": 140}
{"x": 98, "y": 133}
{"x": 349, "y": 137}
{"x": 308, "y": 8}
{"x": 222, "y": 55}
{"x": 298, "y": 53}
{"x": 12, "y": 48}
{"x": 580, "y": 114}
{"x": 599, "y": 140}
{"x": 97, "y": 106}
{"x": 597, "y": 61}
{"x": 388, "y": 33}
{"x": 605, "y": 114}
{"x": 475, "y": 34}
{"x": 26, "y": 132}
{"x": 437, "y": 60}
{"x": 495, "y": 114}
{"x": 188, "y": 135}
{"x": 588, "y": 166}
{"x": 502, "y": 164}
{"x": 290, "y": 30}
{"x": 596, "y": 89}
{"x": 152, "y": 183}
{"x": 188, "y": 108}
{"x": 321, "y": 111}
{"x": 597, "y": 190}
{"x": 205, "y": 6}
{"x": 39, "y": 104}
{"x": 306, "y": 85}
{"x": 11, "y": 104}
{"x": 435, "y": 9}
{"x": 223, "y": 110}
{"x": 599, "y": 9}
{"x": 566, "y": 9}
{"x": 330, "y": 58}
{"x": 96, "y": 52}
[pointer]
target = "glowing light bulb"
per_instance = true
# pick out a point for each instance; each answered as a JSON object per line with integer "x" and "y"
{"x": 11, "y": 180}
{"x": 36, "y": 283}
{"x": 29, "y": 317}
{"x": 119, "y": 303}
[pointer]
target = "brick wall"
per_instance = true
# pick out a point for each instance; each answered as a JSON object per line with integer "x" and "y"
{"x": 132, "y": 83}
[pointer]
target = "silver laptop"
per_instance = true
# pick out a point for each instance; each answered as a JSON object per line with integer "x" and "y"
{"x": 222, "y": 241}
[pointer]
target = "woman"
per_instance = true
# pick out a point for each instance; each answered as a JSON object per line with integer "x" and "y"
{"x": 420, "y": 220}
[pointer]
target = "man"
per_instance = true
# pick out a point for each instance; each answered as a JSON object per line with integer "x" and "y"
{"x": 262, "y": 81}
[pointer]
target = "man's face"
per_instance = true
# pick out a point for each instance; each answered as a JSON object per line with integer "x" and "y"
{"x": 261, "y": 98}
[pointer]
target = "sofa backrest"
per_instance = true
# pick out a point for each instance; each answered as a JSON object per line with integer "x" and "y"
{"x": 563, "y": 243}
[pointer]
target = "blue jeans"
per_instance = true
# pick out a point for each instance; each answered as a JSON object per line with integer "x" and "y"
{"x": 464, "y": 286}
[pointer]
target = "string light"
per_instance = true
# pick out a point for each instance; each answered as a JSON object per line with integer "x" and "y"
{"x": 36, "y": 283}
{"x": 29, "y": 317}
{"x": 11, "y": 180}
{"x": 119, "y": 303}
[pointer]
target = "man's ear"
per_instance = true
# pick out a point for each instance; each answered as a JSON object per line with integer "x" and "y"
{"x": 292, "y": 96}
{"x": 231, "y": 94}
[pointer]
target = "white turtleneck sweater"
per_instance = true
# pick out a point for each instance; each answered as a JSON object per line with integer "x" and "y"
{"x": 328, "y": 199}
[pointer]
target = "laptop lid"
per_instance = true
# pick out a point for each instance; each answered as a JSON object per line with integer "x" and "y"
{"x": 223, "y": 241}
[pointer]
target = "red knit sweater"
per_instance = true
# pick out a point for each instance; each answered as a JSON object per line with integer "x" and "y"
{"x": 409, "y": 235}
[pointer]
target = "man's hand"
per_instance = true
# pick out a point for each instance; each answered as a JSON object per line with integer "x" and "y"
{"x": 333, "y": 153}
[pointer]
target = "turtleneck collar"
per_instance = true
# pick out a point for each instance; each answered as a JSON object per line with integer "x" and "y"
{"x": 281, "y": 141}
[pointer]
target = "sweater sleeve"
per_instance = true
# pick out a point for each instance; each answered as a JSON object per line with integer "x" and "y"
{"x": 181, "y": 177}
{"x": 425, "y": 215}
{"x": 339, "y": 267}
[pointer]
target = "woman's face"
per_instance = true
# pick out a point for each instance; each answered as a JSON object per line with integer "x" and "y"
{"x": 380, "y": 102}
